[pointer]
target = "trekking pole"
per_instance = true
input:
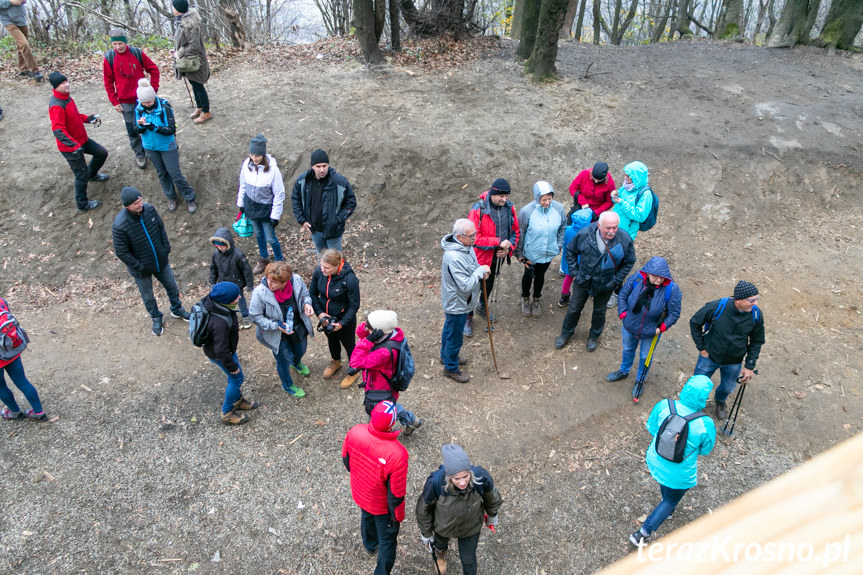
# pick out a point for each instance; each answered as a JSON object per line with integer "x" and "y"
{"x": 735, "y": 409}
{"x": 639, "y": 382}
{"x": 433, "y": 558}
{"x": 189, "y": 92}
{"x": 488, "y": 323}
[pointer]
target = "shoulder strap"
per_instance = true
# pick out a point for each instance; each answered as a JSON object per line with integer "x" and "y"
{"x": 668, "y": 291}
{"x": 694, "y": 415}
{"x": 719, "y": 309}
{"x": 671, "y": 406}
{"x": 391, "y": 346}
{"x": 756, "y": 313}
{"x": 109, "y": 55}
{"x": 136, "y": 52}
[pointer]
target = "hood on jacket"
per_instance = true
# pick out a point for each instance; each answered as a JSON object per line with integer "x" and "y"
{"x": 224, "y": 234}
{"x": 637, "y": 172}
{"x": 346, "y": 269}
{"x": 449, "y": 243}
{"x": 541, "y": 188}
{"x": 658, "y": 267}
{"x": 696, "y": 391}
{"x": 582, "y": 218}
{"x": 191, "y": 18}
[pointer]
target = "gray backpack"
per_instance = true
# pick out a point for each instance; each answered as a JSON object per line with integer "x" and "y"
{"x": 673, "y": 433}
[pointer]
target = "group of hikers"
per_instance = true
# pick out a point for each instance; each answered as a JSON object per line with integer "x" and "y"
{"x": 594, "y": 238}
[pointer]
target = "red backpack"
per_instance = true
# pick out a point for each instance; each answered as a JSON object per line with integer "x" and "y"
{"x": 13, "y": 338}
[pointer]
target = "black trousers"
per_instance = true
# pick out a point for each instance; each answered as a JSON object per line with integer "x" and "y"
{"x": 580, "y": 296}
{"x": 202, "y": 101}
{"x": 347, "y": 336}
{"x": 496, "y": 263}
{"x": 535, "y": 277}
{"x": 82, "y": 171}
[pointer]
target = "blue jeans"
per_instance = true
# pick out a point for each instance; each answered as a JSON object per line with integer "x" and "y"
{"x": 380, "y": 533}
{"x": 244, "y": 307}
{"x": 235, "y": 380}
{"x": 166, "y": 278}
{"x": 466, "y": 551}
{"x": 404, "y": 416}
{"x": 728, "y": 374}
{"x": 630, "y": 342}
{"x": 670, "y": 499}
{"x": 321, "y": 244}
{"x": 289, "y": 354}
{"x": 265, "y": 233}
{"x": 451, "y": 339}
{"x": 16, "y": 374}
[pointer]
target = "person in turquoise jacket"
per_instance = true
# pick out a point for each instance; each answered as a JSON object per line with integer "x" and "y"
{"x": 632, "y": 201}
{"x": 675, "y": 479}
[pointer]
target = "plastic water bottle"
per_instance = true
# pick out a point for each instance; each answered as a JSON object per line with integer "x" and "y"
{"x": 289, "y": 319}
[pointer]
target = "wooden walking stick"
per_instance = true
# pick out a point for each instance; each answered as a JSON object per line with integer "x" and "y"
{"x": 488, "y": 323}
{"x": 189, "y": 92}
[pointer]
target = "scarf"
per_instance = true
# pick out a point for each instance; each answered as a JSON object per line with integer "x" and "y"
{"x": 285, "y": 293}
{"x": 645, "y": 297}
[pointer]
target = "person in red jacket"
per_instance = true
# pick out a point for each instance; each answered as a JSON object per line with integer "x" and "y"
{"x": 67, "y": 124}
{"x": 496, "y": 236}
{"x": 592, "y": 189}
{"x": 378, "y": 465}
{"x": 122, "y": 67}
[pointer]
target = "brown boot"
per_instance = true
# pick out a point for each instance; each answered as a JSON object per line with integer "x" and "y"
{"x": 244, "y": 404}
{"x": 440, "y": 559}
{"x": 334, "y": 366}
{"x": 204, "y": 117}
{"x": 261, "y": 266}
{"x": 459, "y": 375}
{"x": 196, "y": 113}
{"x": 349, "y": 380}
{"x": 234, "y": 418}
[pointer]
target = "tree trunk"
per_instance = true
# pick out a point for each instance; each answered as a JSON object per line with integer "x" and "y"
{"x": 730, "y": 19}
{"x": 566, "y": 29}
{"x": 624, "y": 26}
{"x": 683, "y": 20}
{"x": 615, "y": 21}
{"x": 364, "y": 23}
{"x": 842, "y": 25}
{"x": 662, "y": 22}
{"x": 597, "y": 22}
{"x": 380, "y": 8}
{"x": 541, "y": 61}
{"x": 529, "y": 23}
{"x": 771, "y": 19}
{"x": 517, "y": 16}
{"x": 395, "y": 31}
{"x": 795, "y": 24}
{"x": 580, "y": 22}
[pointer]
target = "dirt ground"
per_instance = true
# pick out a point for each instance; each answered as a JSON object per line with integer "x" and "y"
{"x": 755, "y": 155}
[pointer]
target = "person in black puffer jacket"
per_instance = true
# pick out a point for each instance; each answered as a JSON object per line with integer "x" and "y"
{"x": 229, "y": 264}
{"x": 141, "y": 243}
{"x": 335, "y": 292}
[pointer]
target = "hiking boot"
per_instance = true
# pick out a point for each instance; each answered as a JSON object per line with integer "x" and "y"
{"x": 141, "y": 162}
{"x": 564, "y": 300}
{"x": 302, "y": 369}
{"x": 245, "y": 323}
{"x": 331, "y": 369}
{"x": 234, "y": 418}
{"x": 721, "y": 410}
{"x": 204, "y": 117}
{"x": 349, "y": 380}
{"x": 638, "y": 539}
{"x": 244, "y": 404}
{"x": 261, "y": 266}
{"x": 91, "y": 205}
{"x": 30, "y": 414}
{"x": 100, "y": 178}
{"x": 192, "y": 206}
{"x": 7, "y": 413}
{"x": 525, "y": 306}
{"x": 172, "y": 204}
{"x": 458, "y": 376}
{"x": 370, "y": 553}
{"x": 410, "y": 428}
{"x": 461, "y": 361}
{"x": 481, "y": 311}
{"x": 560, "y": 341}
{"x": 294, "y": 391}
{"x": 157, "y": 326}
{"x": 440, "y": 559}
{"x": 37, "y": 76}
{"x": 181, "y": 314}
{"x": 616, "y": 376}
{"x": 468, "y": 327}
{"x": 612, "y": 302}
{"x": 536, "y": 307}
{"x": 194, "y": 115}
{"x": 591, "y": 344}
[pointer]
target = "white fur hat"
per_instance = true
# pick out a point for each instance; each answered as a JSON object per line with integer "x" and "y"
{"x": 383, "y": 319}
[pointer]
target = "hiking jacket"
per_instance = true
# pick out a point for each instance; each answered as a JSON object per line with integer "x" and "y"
{"x": 580, "y": 219}
{"x": 12, "y": 15}
{"x": 378, "y": 364}
{"x": 224, "y": 334}
{"x": 338, "y": 202}
{"x": 378, "y": 465}
{"x": 337, "y": 295}
{"x": 459, "y": 514}
{"x": 597, "y": 196}
{"x": 159, "y": 135}
{"x": 230, "y": 265}
{"x": 657, "y": 313}
{"x": 460, "y": 277}
{"x": 140, "y": 241}
{"x": 702, "y": 436}
{"x": 542, "y": 230}
{"x": 493, "y": 225}
{"x": 67, "y": 123}
{"x": 14, "y": 335}
{"x": 121, "y": 79}
{"x": 265, "y": 312}
{"x": 189, "y": 42}
{"x": 595, "y": 271}
{"x": 733, "y": 336}
{"x": 635, "y": 204}
{"x": 261, "y": 194}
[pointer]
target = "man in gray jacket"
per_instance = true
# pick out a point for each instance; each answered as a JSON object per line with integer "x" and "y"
{"x": 13, "y": 15}
{"x": 461, "y": 275}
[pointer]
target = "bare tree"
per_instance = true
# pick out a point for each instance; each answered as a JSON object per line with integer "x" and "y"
{"x": 843, "y": 24}
{"x": 795, "y": 24}
{"x": 364, "y": 22}
{"x": 541, "y": 61}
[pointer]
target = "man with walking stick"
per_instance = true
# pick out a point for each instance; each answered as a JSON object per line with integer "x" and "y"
{"x": 726, "y": 332}
{"x": 461, "y": 275}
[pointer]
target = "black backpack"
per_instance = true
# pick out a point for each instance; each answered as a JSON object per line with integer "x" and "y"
{"x": 199, "y": 322}
{"x": 404, "y": 368}
{"x": 673, "y": 433}
{"x": 650, "y": 220}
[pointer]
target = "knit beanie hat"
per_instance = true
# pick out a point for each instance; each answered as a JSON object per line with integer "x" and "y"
{"x": 383, "y": 319}
{"x": 181, "y": 6}
{"x": 56, "y": 78}
{"x": 117, "y": 35}
{"x": 258, "y": 146}
{"x": 455, "y": 459}
{"x": 129, "y": 195}
{"x": 384, "y": 416}
{"x": 500, "y": 186}
{"x": 320, "y": 157}
{"x": 145, "y": 91}
{"x": 744, "y": 290}
{"x": 600, "y": 170}
{"x": 224, "y": 292}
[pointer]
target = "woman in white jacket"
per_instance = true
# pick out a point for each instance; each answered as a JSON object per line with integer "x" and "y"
{"x": 261, "y": 197}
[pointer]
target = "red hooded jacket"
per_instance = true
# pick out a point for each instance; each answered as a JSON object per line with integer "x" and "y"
{"x": 487, "y": 239}
{"x": 377, "y": 365}
{"x": 67, "y": 123}
{"x": 378, "y": 465}
{"x": 597, "y": 196}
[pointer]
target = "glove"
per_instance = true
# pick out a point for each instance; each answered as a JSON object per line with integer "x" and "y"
{"x": 376, "y": 336}
{"x": 426, "y": 540}
{"x": 492, "y": 521}
{"x": 274, "y": 222}
{"x": 352, "y": 371}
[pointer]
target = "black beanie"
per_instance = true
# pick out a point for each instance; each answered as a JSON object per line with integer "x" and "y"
{"x": 129, "y": 195}
{"x": 320, "y": 157}
{"x": 182, "y": 6}
{"x": 56, "y": 78}
{"x": 258, "y": 146}
{"x": 600, "y": 170}
{"x": 500, "y": 186}
{"x": 744, "y": 290}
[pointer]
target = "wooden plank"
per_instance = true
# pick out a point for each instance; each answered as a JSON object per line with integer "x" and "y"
{"x": 806, "y": 521}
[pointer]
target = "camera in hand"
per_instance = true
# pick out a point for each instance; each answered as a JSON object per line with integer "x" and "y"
{"x": 328, "y": 327}
{"x": 352, "y": 371}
